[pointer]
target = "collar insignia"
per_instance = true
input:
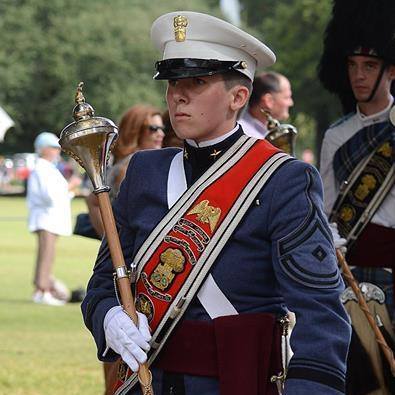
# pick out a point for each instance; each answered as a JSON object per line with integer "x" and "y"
{"x": 215, "y": 153}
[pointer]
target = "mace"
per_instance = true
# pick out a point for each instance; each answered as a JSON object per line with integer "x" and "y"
{"x": 89, "y": 140}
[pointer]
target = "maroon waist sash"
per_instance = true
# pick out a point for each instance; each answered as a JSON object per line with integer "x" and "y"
{"x": 242, "y": 351}
{"x": 375, "y": 247}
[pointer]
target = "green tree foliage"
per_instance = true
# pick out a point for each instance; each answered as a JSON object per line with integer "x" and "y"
{"x": 294, "y": 30}
{"x": 47, "y": 47}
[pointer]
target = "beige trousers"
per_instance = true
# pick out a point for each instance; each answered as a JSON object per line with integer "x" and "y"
{"x": 43, "y": 278}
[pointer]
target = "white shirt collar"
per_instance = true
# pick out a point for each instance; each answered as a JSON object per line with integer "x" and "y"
{"x": 44, "y": 162}
{"x": 378, "y": 116}
{"x": 217, "y": 140}
{"x": 255, "y": 121}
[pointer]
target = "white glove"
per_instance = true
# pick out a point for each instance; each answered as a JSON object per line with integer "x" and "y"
{"x": 339, "y": 242}
{"x": 125, "y": 339}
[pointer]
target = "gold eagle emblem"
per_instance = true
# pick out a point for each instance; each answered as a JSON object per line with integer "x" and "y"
{"x": 206, "y": 213}
{"x": 180, "y": 28}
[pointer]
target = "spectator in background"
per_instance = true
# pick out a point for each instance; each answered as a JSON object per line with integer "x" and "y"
{"x": 48, "y": 199}
{"x": 171, "y": 139}
{"x": 271, "y": 92}
{"x": 141, "y": 127}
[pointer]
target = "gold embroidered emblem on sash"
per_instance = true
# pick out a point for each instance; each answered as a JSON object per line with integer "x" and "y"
{"x": 385, "y": 150}
{"x": 171, "y": 262}
{"x": 180, "y": 28}
{"x": 145, "y": 306}
{"x": 347, "y": 213}
{"x": 122, "y": 369}
{"x": 206, "y": 213}
{"x": 368, "y": 182}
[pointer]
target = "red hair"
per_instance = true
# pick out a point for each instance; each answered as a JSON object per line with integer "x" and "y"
{"x": 131, "y": 127}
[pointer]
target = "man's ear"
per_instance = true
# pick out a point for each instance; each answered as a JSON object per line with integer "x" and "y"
{"x": 266, "y": 101}
{"x": 239, "y": 97}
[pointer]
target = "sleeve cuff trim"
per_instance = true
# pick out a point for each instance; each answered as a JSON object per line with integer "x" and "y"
{"x": 317, "y": 376}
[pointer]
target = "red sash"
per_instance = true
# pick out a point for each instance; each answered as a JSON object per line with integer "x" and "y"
{"x": 171, "y": 263}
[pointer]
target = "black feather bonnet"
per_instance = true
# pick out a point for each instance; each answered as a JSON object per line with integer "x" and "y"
{"x": 357, "y": 27}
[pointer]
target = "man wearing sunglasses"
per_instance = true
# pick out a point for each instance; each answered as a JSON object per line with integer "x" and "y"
{"x": 222, "y": 238}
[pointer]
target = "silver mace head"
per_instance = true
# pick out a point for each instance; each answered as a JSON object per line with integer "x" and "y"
{"x": 281, "y": 135}
{"x": 89, "y": 140}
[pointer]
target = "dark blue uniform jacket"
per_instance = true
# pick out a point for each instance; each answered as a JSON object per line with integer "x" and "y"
{"x": 280, "y": 256}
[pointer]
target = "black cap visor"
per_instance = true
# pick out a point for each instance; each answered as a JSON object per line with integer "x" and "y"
{"x": 178, "y": 68}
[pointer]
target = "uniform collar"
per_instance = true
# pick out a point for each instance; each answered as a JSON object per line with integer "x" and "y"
{"x": 197, "y": 159}
{"x": 380, "y": 116}
{"x": 208, "y": 143}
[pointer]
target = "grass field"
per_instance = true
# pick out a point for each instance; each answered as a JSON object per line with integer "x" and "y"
{"x": 43, "y": 350}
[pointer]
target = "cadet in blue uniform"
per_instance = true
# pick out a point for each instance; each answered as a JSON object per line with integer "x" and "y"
{"x": 280, "y": 255}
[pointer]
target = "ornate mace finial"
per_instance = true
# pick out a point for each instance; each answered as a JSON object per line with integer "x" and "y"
{"x": 82, "y": 110}
{"x": 89, "y": 140}
{"x": 281, "y": 135}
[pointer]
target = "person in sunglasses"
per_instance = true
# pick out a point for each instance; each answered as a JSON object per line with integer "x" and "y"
{"x": 140, "y": 128}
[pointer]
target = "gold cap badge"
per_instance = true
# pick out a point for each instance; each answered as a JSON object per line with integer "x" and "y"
{"x": 180, "y": 28}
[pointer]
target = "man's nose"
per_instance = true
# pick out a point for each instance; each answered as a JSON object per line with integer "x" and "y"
{"x": 179, "y": 94}
{"x": 359, "y": 73}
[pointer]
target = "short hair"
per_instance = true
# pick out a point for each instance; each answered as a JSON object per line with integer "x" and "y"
{"x": 264, "y": 83}
{"x": 233, "y": 78}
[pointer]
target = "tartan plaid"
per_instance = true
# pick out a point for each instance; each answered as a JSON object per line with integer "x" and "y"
{"x": 359, "y": 146}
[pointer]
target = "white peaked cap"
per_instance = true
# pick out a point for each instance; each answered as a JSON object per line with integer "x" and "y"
{"x": 192, "y": 35}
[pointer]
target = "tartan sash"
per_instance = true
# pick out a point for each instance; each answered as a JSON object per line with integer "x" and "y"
{"x": 176, "y": 257}
{"x": 365, "y": 167}
{"x": 359, "y": 146}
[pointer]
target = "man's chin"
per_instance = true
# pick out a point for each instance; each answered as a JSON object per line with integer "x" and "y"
{"x": 362, "y": 97}
{"x": 186, "y": 134}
